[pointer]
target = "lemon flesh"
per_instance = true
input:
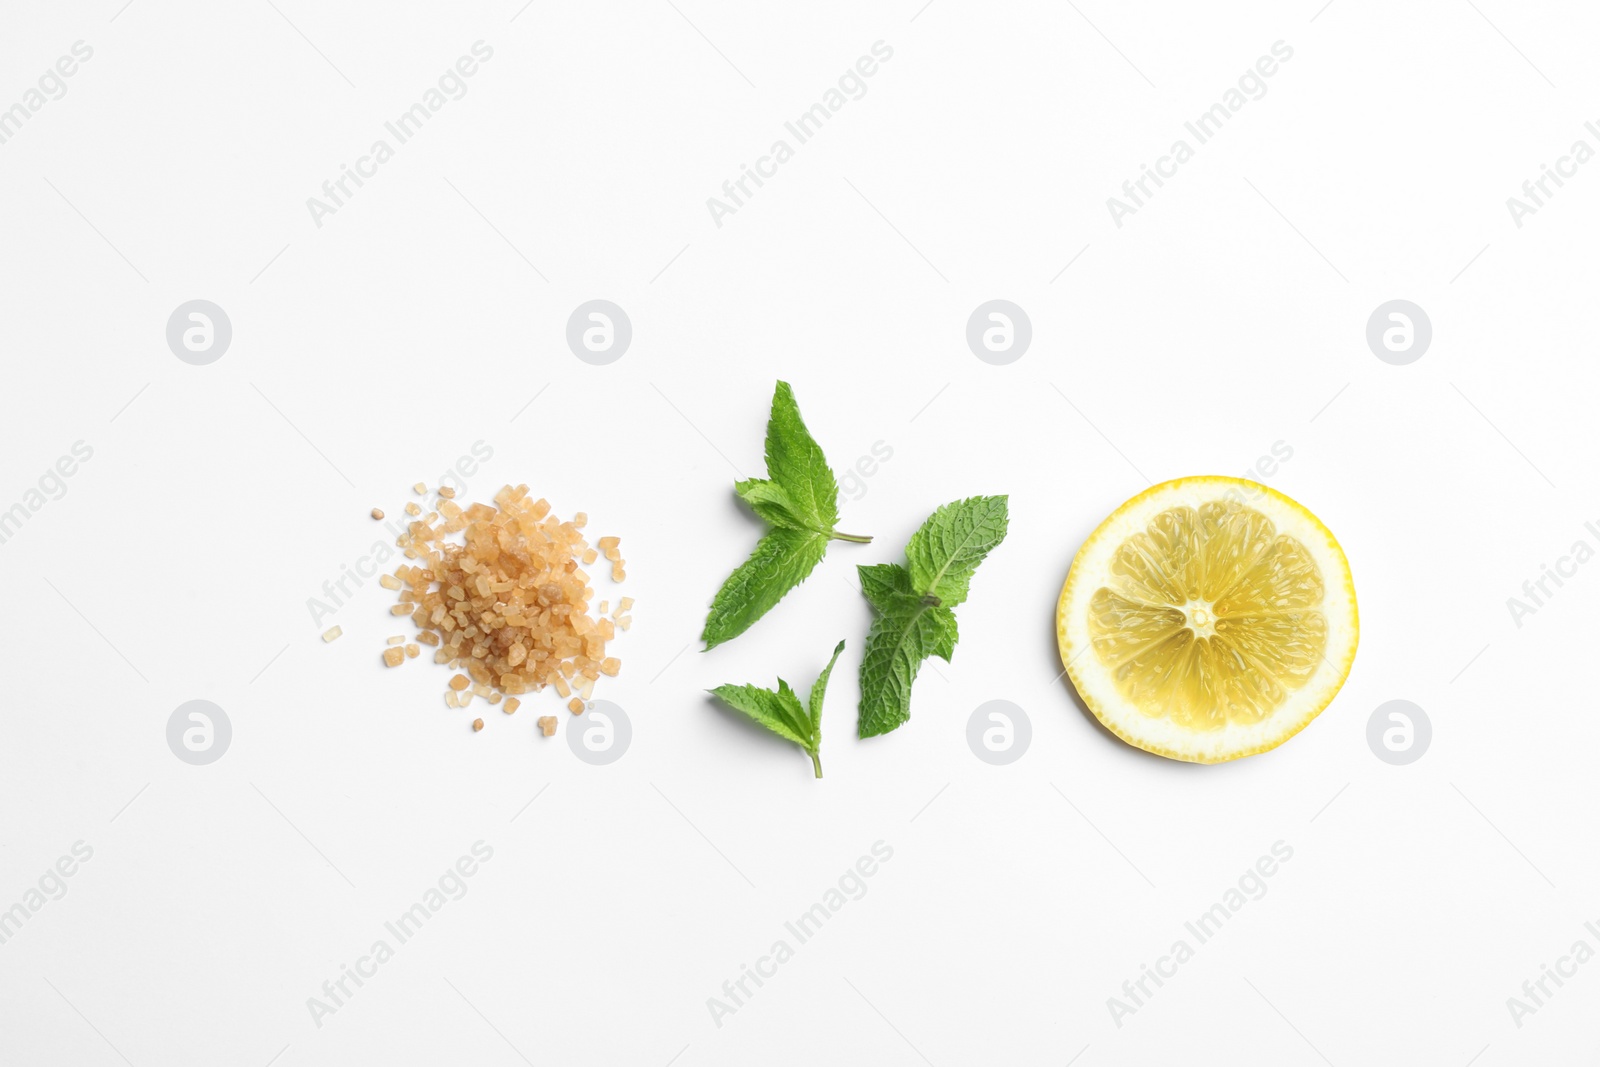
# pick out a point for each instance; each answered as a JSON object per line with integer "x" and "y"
{"x": 1208, "y": 619}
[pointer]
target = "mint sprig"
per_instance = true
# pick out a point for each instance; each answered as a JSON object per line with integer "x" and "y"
{"x": 781, "y": 711}
{"x": 799, "y": 501}
{"x": 912, "y": 605}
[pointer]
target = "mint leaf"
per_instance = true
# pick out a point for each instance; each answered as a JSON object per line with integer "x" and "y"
{"x": 947, "y": 550}
{"x": 771, "y": 501}
{"x": 883, "y": 583}
{"x": 905, "y": 631}
{"x": 796, "y": 463}
{"x": 781, "y": 560}
{"x": 912, "y": 616}
{"x": 781, "y": 711}
{"x": 799, "y": 500}
{"x": 819, "y": 689}
{"x": 787, "y": 719}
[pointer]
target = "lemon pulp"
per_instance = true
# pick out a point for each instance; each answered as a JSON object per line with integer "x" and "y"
{"x": 1211, "y": 616}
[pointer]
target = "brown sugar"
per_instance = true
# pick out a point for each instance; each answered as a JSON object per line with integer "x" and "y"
{"x": 509, "y": 606}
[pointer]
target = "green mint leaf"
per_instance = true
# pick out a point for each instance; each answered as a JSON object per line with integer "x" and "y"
{"x": 819, "y": 690}
{"x": 781, "y": 560}
{"x": 771, "y": 501}
{"x": 796, "y": 463}
{"x": 799, "y": 500}
{"x": 945, "y": 633}
{"x": 769, "y": 709}
{"x": 901, "y": 637}
{"x": 885, "y": 584}
{"x": 781, "y": 711}
{"x": 912, "y": 616}
{"x": 946, "y": 551}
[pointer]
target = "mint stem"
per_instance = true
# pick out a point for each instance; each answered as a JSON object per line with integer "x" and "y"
{"x": 816, "y": 764}
{"x": 857, "y": 538}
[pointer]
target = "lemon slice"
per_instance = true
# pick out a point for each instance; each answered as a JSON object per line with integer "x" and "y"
{"x": 1208, "y": 619}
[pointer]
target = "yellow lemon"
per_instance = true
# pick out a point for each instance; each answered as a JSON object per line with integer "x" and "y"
{"x": 1207, "y": 619}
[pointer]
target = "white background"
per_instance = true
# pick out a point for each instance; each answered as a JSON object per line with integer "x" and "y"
{"x": 1225, "y": 316}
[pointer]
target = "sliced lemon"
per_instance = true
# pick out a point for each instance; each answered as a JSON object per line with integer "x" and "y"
{"x": 1208, "y": 619}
